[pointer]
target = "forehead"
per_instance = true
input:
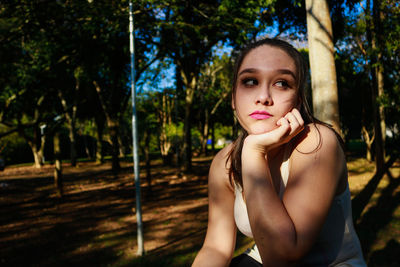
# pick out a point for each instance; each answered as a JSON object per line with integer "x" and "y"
{"x": 268, "y": 58}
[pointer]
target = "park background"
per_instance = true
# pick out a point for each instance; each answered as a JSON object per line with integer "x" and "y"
{"x": 67, "y": 191}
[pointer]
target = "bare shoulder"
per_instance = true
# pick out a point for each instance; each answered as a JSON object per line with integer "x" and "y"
{"x": 219, "y": 170}
{"x": 317, "y": 145}
{"x": 318, "y": 153}
{"x": 317, "y": 138}
{"x": 222, "y": 156}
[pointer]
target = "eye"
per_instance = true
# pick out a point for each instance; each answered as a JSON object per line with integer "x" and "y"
{"x": 283, "y": 84}
{"x": 249, "y": 82}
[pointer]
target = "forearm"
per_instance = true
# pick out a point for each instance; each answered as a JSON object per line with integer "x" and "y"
{"x": 273, "y": 229}
{"x": 211, "y": 257}
{"x": 285, "y": 230}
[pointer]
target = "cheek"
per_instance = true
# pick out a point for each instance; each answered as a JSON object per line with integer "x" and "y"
{"x": 242, "y": 101}
{"x": 286, "y": 103}
{"x": 291, "y": 99}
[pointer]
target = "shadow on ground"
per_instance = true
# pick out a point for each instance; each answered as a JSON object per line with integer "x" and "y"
{"x": 378, "y": 217}
{"x": 94, "y": 223}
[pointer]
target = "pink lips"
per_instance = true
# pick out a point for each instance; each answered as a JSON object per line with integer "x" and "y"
{"x": 260, "y": 115}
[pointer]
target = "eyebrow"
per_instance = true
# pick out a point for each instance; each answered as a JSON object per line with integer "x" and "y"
{"x": 281, "y": 71}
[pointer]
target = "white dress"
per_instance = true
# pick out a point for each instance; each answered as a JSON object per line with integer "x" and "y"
{"x": 337, "y": 243}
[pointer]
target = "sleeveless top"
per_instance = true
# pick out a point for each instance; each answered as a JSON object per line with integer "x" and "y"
{"x": 337, "y": 243}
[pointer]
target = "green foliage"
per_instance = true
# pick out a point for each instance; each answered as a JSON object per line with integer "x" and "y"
{"x": 196, "y": 136}
{"x": 353, "y": 88}
{"x": 355, "y": 64}
{"x": 214, "y": 87}
{"x": 51, "y": 47}
{"x": 175, "y": 133}
{"x": 60, "y": 48}
{"x": 223, "y": 132}
{"x": 391, "y": 98}
{"x": 15, "y": 150}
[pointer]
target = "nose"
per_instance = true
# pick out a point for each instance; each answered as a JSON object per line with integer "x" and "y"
{"x": 264, "y": 96}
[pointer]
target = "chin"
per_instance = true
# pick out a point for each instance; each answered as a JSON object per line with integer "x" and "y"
{"x": 261, "y": 130}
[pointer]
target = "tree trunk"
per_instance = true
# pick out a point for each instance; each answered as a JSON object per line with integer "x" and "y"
{"x": 204, "y": 137}
{"x": 37, "y": 145}
{"x": 88, "y": 151}
{"x": 37, "y": 156}
{"x": 377, "y": 45}
{"x": 187, "y": 135}
{"x": 368, "y": 142}
{"x": 147, "y": 158}
{"x": 178, "y": 98}
{"x": 322, "y": 63}
{"x": 121, "y": 147}
{"x": 377, "y": 82}
{"x": 379, "y": 143}
{"x": 99, "y": 140}
{"x": 72, "y": 140}
{"x": 113, "y": 126}
{"x": 165, "y": 119}
{"x": 70, "y": 113}
{"x": 58, "y": 181}
{"x": 213, "y": 137}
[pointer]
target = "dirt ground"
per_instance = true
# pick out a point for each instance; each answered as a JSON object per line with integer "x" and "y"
{"x": 94, "y": 223}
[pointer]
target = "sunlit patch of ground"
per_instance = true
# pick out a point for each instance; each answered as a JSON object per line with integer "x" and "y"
{"x": 95, "y": 223}
{"x": 379, "y": 224}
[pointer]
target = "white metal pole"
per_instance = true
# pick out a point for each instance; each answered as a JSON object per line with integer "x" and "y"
{"x": 140, "y": 250}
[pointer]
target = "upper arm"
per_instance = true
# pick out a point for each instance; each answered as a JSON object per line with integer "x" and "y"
{"x": 315, "y": 172}
{"x": 221, "y": 230}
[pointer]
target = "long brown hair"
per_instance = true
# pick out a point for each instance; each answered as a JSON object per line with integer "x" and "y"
{"x": 235, "y": 155}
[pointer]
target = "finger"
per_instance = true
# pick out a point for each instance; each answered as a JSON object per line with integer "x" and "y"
{"x": 298, "y": 122}
{"x": 291, "y": 118}
{"x": 297, "y": 114}
{"x": 271, "y": 138}
{"x": 294, "y": 124}
{"x": 281, "y": 121}
{"x": 284, "y": 126}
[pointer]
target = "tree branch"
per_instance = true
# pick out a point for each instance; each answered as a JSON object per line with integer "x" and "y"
{"x": 360, "y": 45}
{"x": 102, "y": 101}
{"x": 219, "y": 102}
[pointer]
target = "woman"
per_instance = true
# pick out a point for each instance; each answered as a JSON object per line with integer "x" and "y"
{"x": 284, "y": 180}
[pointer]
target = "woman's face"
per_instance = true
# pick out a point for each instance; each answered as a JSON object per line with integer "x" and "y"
{"x": 266, "y": 89}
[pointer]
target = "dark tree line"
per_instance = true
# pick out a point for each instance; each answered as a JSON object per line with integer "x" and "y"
{"x": 64, "y": 66}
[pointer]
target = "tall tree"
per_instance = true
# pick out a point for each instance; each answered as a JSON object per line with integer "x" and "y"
{"x": 58, "y": 179}
{"x": 104, "y": 52}
{"x": 374, "y": 39}
{"x": 189, "y": 31}
{"x": 322, "y": 62}
{"x": 164, "y": 112}
{"x": 26, "y": 93}
{"x": 213, "y": 93}
{"x": 48, "y": 45}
